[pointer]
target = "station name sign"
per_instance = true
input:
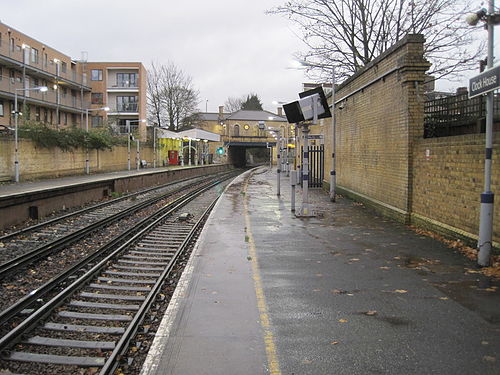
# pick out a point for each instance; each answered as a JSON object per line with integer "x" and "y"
{"x": 485, "y": 82}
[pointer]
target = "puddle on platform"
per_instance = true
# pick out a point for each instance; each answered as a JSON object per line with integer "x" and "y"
{"x": 431, "y": 265}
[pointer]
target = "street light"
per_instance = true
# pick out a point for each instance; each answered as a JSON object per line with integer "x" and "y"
{"x": 16, "y": 114}
{"x": 491, "y": 18}
{"x": 128, "y": 122}
{"x": 155, "y": 126}
{"x": 87, "y": 157}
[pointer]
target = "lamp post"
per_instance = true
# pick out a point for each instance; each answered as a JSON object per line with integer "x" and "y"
{"x": 16, "y": 114}
{"x": 87, "y": 157}
{"x": 128, "y": 122}
{"x": 333, "y": 173}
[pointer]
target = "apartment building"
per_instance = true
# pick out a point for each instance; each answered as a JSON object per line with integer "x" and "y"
{"x": 26, "y": 64}
{"x": 121, "y": 87}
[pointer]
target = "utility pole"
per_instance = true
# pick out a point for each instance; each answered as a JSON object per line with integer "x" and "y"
{"x": 487, "y": 197}
{"x": 333, "y": 173}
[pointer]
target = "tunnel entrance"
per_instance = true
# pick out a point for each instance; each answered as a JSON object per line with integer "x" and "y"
{"x": 247, "y": 156}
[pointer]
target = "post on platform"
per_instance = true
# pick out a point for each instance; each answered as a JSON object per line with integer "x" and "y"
{"x": 311, "y": 106}
{"x": 278, "y": 164}
{"x": 491, "y": 18}
{"x": 293, "y": 182}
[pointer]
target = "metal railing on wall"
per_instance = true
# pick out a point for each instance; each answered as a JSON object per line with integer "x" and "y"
{"x": 457, "y": 115}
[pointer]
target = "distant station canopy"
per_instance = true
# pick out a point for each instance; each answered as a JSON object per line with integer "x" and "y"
{"x": 302, "y": 109}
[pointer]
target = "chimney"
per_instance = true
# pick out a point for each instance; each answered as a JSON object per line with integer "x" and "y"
{"x": 280, "y": 111}
{"x": 221, "y": 112}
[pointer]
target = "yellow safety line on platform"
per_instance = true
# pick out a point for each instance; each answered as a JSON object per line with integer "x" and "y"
{"x": 272, "y": 358}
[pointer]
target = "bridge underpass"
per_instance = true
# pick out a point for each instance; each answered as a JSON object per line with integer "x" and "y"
{"x": 242, "y": 154}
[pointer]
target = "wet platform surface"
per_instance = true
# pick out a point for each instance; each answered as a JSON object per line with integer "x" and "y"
{"x": 345, "y": 292}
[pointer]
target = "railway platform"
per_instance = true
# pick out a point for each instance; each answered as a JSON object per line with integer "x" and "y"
{"x": 345, "y": 292}
{"x": 38, "y": 199}
{"x": 24, "y": 187}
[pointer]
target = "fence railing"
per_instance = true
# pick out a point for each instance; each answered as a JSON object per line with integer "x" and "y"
{"x": 456, "y": 115}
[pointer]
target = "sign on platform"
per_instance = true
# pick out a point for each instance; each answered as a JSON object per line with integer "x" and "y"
{"x": 315, "y": 136}
{"x": 485, "y": 82}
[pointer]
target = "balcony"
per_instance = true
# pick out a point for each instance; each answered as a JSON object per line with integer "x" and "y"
{"x": 8, "y": 87}
{"x": 123, "y": 87}
{"x": 49, "y": 70}
{"x": 129, "y": 109}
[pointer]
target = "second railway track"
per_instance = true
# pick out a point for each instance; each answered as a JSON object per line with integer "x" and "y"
{"x": 89, "y": 323}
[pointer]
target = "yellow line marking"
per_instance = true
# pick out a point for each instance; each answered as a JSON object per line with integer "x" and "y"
{"x": 272, "y": 358}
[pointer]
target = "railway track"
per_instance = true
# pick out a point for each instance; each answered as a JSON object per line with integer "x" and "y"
{"x": 25, "y": 246}
{"x": 90, "y": 322}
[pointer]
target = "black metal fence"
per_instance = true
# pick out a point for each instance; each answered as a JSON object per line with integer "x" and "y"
{"x": 456, "y": 115}
{"x": 316, "y": 165}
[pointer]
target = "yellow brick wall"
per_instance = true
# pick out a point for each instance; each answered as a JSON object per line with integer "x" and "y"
{"x": 38, "y": 162}
{"x": 377, "y": 125}
{"x": 449, "y": 178}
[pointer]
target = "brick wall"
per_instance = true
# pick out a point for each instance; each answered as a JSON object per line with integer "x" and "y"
{"x": 384, "y": 161}
{"x": 38, "y": 162}
{"x": 448, "y": 180}
{"x": 377, "y": 125}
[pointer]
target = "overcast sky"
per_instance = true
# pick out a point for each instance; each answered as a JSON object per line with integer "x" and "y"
{"x": 229, "y": 47}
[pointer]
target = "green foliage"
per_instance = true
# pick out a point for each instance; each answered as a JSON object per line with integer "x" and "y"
{"x": 67, "y": 139}
{"x": 252, "y": 102}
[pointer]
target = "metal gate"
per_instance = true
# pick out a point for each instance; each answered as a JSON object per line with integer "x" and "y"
{"x": 316, "y": 165}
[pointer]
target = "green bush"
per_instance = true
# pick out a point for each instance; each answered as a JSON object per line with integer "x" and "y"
{"x": 68, "y": 139}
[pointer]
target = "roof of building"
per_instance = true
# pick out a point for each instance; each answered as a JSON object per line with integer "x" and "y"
{"x": 193, "y": 133}
{"x": 212, "y": 116}
{"x": 255, "y": 116}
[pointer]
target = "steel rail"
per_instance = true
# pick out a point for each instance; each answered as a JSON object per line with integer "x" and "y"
{"x": 41, "y": 251}
{"x": 38, "y": 293}
{"x": 122, "y": 345}
{"x": 90, "y": 208}
{"x": 31, "y": 321}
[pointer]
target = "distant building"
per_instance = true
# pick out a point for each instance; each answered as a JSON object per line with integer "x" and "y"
{"x": 26, "y": 63}
{"x": 75, "y": 88}
{"x": 121, "y": 86}
{"x": 244, "y": 128}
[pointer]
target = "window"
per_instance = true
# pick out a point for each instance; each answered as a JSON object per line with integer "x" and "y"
{"x": 1, "y": 73}
{"x": 122, "y": 124}
{"x": 96, "y": 121}
{"x": 65, "y": 117}
{"x": 64, "y": 92}
{"x": 126, "y": 103}
{"x": 96, "y": 75}
{"x": 45, "y": 115}
{"x": 73, "y": 119}
{"x": 0, "y": 39}
{"x": 34, "y": 55}
{"x": 96, "y": 98}
{"x": 64, "y": 67}
{"x": 126, "y": 79}
{"x": 236, "y": 130}
{"x": 45, "y": 60}
{"x": 37, "y": 113}
{"x": 11, "y": 44}
{"x": 36, "y": 82}
{"x": 1, "y": 108}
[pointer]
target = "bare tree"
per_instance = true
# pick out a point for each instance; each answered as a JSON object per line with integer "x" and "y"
{"x": 171, "y": 96}
{"x": 233, "y": 104}
{"x": 350, "y": 33}
{"x": 248, "y": 102}
{"x": 156, "y": 113}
